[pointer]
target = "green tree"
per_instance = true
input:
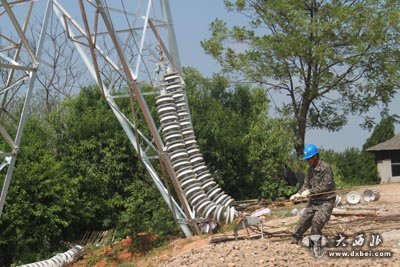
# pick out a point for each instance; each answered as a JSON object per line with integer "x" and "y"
{"x": 243, "y": 146}
{"x": 344, "y": 165}
{"x": 113, "y": 185}
{"x": 76, "y": 172}
{"x": 270, "y": 143}
{"x": 97, "y": 155}
{"x": 220, "y": 122}
{"x": 145, "y": 211}
{"x": 382, "y": 132}
{"x": 349, "y": 164}
{"x": 330, "y": 58}
{"x": 40, "y": 202}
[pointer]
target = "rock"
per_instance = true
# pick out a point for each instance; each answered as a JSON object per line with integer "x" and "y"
{"x": 391, "y": 235}
{"x": 301, "y": 211}
{"x": 294, "y": 212}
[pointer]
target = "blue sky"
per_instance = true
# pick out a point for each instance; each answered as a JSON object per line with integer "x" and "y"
{"x": 192, "y": 19}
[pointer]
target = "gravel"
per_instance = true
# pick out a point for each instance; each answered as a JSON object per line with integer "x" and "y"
{"x": 263, "y": 252}
{"x": 279, "y": 252}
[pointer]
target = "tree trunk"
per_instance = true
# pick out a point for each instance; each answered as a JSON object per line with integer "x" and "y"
{"x": 299, "y": 146}
{"x": 301, "y": 127}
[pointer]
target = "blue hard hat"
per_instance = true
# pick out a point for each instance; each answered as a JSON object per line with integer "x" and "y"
{"x": 309, "y": 151}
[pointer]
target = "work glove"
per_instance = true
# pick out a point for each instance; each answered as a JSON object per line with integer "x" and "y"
{"x": 305, "y": 193}
{"x": 294, "y": 197}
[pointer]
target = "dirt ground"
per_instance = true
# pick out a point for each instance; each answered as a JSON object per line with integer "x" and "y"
{"x": 275, "y": 248}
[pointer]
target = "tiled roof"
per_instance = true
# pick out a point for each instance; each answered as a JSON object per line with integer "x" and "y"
{"x": 391, "y": 144}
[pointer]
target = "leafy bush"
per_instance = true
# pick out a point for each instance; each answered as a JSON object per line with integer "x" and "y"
{"x": 272, "y": 189}
{"x": 146, "y": 212}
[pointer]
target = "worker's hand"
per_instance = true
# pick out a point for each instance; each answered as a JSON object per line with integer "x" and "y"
{"x": 305, "y": 193}
{"x": 294, "y": 197}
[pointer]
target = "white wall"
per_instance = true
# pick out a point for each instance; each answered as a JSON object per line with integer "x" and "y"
{"x": 385, "y": 172}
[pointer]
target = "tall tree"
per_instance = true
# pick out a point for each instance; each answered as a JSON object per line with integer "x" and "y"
{"x": 382, "y": 132}
{"x": 328, "y": 58}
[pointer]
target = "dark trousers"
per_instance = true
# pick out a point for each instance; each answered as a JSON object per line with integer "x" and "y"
{"x": 315, "y": 215}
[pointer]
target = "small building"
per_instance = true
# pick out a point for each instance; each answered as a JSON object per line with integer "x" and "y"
{"x": 388, "y": 159}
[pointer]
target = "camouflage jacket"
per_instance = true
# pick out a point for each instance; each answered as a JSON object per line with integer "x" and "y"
{"x": 319, "y": 179}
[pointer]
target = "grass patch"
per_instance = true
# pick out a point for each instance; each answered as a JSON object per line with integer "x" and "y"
{"x": 93, "y": 256}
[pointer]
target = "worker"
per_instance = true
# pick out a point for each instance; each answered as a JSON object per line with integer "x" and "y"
{"x": 319, "y": 180}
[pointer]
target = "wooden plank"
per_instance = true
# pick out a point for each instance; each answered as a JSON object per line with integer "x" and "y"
{"x": 338, "y": 212}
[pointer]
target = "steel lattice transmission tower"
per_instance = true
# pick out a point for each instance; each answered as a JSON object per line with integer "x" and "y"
{"x": 19, "y": 63}
{"x": 129, "y": 49}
